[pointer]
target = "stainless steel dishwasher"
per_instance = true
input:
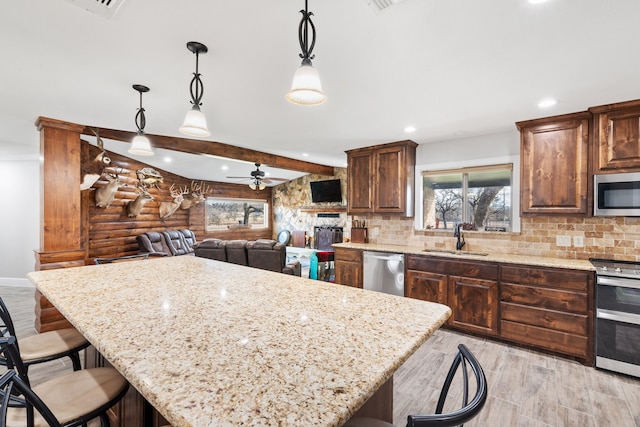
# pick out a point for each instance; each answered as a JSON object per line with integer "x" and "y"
{"x": 384, "y": 272}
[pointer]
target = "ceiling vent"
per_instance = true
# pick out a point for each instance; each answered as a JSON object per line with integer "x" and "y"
{"x": 104, "y": 8}
{"x": 380, "y": 5}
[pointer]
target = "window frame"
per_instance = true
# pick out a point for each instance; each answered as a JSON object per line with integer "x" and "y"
{"x": 265, "y": 202}
{"x": 469, "y": 166}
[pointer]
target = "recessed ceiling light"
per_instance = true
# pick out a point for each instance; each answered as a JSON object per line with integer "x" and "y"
{"x": 546, "y": 103}
{"x": 168, "y": 159}
{"x": 410, "y": 129}
{"x": 225, "y": 167}
{"x": 305, "y": 154}
{"x": 537, "y": 1}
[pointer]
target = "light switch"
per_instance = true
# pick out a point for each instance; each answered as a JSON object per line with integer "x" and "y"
{"x": 563, "y": 240}
{"x": 578, "y": 241}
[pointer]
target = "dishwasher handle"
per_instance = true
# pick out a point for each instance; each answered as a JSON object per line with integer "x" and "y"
{"x": 393, "y": 257}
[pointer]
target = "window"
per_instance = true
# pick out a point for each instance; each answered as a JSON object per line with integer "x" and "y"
{"x": 225, "y": 214}
{"x": 478, "y": 197}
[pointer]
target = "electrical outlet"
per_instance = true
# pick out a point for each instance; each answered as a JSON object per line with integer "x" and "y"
{"x": 563, "y": 240}
{"x": 578, "y": 241}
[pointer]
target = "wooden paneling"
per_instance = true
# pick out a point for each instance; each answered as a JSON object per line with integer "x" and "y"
{"x": 554, "y": 161}
{"x": 359, "y": 182}
{"x": 561, "y": 342}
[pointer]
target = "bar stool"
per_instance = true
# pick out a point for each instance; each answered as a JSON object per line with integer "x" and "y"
{"x": 449, "y": 419}
{"x": 45, "y": 346}
{"x": 68, "y": 400}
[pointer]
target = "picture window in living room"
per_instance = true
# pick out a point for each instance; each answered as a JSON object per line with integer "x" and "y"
{"x": 477, "y": 197}
{"x": 229, "y": 214}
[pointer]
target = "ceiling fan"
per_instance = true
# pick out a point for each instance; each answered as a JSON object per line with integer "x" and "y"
{"x": 258, "y": 179}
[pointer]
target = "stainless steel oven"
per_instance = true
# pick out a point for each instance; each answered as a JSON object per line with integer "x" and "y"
{"x": 618, "y": 316}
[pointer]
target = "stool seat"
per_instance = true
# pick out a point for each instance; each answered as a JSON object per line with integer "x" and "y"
{"x": 71, "y": 396}
{"x": 45, "y": 344}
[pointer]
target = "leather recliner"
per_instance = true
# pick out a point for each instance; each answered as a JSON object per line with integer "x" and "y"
{"x": 271, "y": 255}
{"x": 175, "y": 242}
{"x": 189, "y": 239}
{"x": 153, "y": 243}
{"x": 212, "y": 249}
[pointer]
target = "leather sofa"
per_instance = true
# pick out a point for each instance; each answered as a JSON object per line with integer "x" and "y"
{"x": 265, "y": 254}
{"x": 167, "y": 243}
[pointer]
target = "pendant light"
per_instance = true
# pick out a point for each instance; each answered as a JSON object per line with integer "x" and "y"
{"x": 306, "y": 88}
{"x": 195, "y": 123}
{"x": 257, "y": 184}
{"x": 140, "y": 145}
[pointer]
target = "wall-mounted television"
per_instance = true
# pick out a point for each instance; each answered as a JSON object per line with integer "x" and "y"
{"x": 326, "y": 191}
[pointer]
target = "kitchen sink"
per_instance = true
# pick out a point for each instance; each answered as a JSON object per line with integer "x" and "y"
{"x": 443, "y": 251}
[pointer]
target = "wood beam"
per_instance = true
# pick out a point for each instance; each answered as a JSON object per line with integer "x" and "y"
{"x": 198, "y": 146}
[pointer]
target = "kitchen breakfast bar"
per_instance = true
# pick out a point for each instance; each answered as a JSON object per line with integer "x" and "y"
{"x": 209, "y": 343}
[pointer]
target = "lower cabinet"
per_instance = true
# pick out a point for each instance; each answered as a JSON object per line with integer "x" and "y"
{"x": 348, "y": 264}
{"x": 550, "y": 308}
{"x": 542, "y": 307}
{"x": 469, "y": 288}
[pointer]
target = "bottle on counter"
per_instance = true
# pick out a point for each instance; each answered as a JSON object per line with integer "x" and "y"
{"x": 313, "y": 266}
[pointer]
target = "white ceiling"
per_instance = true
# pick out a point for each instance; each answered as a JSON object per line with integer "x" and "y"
{"x": 450, "y": 68}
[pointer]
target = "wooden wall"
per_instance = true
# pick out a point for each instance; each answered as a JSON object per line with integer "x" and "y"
{"x": 110, "y": 232}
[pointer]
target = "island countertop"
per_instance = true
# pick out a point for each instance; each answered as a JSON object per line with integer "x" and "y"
{"x": 212, "y": 343}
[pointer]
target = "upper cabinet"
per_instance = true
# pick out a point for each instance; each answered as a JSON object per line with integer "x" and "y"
{"x": 554, "y": 160}
{"x": 380, "y": 179}
{"x": 616, "y": 137}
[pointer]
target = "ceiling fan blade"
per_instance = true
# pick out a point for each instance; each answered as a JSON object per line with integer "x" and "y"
{"x": 267, "y": 180}
{"x": 239, "y": 177}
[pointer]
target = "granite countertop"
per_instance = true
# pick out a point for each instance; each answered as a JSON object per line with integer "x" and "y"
{"x": 212, "y": 343}
{"x": 577, "y": 264}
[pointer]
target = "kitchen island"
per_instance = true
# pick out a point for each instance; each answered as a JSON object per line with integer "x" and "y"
{"x": 211, "y": 343}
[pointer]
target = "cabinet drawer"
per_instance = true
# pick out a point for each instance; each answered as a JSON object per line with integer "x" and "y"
{"x": 551, "y": 319}
{"x": 561, "y": 342}
{"x": 353, "y": 255}
{"x": 555, "y": 299}
{"x": 442, "y": 265}
{"x": 548, "y": 277}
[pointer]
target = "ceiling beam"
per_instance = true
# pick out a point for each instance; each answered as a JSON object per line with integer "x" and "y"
{"x": 198, "y": 146}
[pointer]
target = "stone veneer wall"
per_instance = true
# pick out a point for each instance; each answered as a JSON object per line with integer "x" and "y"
{"x": 291, "y": 199}
{"x": 617, "y": 238}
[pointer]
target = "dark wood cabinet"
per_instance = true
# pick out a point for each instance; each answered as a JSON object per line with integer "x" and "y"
{"x": 426, "y": 286}
{"x": 348, "y": 264}
{"x": 616, "y": 137}
{"x": 469, "y": 288}
{"x": 549, "y": 308}
{"x": 474, "y": 304}
{"x": 380, "y": 179}
{"x": 554, "y": 155}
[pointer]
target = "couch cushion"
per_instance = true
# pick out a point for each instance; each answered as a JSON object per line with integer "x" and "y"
{"x": 212, "y": 249}
{"x": 266, "y": 254}
{"x": 175, "y": 242}
{"x": 237, "y": 251}
{"x": 189, "y": 239}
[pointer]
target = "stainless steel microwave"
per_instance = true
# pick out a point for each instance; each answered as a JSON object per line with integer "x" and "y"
{"x": 616, "y": 194}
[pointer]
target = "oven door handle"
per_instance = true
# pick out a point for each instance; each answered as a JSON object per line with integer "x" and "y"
{"x": 619, "y": 281}
{"x": 617, "y": 316}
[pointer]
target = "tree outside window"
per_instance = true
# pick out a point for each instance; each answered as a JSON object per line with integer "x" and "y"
{"x": 225, "y": 214}
{"x": 479, "y": 198}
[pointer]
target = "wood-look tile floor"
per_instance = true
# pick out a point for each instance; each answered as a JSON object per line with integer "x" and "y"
{"x": 526, "y": 388}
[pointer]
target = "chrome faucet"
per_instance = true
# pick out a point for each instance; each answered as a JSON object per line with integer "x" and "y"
{"x": 457, "y": 232}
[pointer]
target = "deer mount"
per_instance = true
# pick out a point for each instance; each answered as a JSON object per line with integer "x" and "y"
{"x": 104, "y": 195}
{"x": 97, "y": 167}
{"x": 167, "y": 209}
{"x": 198, "y": 193}
{"x": 135, "y": 207}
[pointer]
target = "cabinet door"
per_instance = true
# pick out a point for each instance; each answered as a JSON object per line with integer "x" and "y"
{"x": 426, "y": 286}
{"x": 617, "y": 140}
{"x": 390, "y": 186}
{"x": 360, "y": 181}
{"x": 349, "y": 273}
{"x": 474, "y": 304}
{"x": 554, "y": 155}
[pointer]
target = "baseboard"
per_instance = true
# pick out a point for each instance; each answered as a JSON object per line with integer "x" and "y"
{"x": 16, "y": 282}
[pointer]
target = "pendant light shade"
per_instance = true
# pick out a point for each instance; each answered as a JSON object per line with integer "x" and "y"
{"x": 140, "y": 145}
{"x": 195, "y": 123}
{"x": 306, "y": 88}
{"x": 257, "y": 184}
